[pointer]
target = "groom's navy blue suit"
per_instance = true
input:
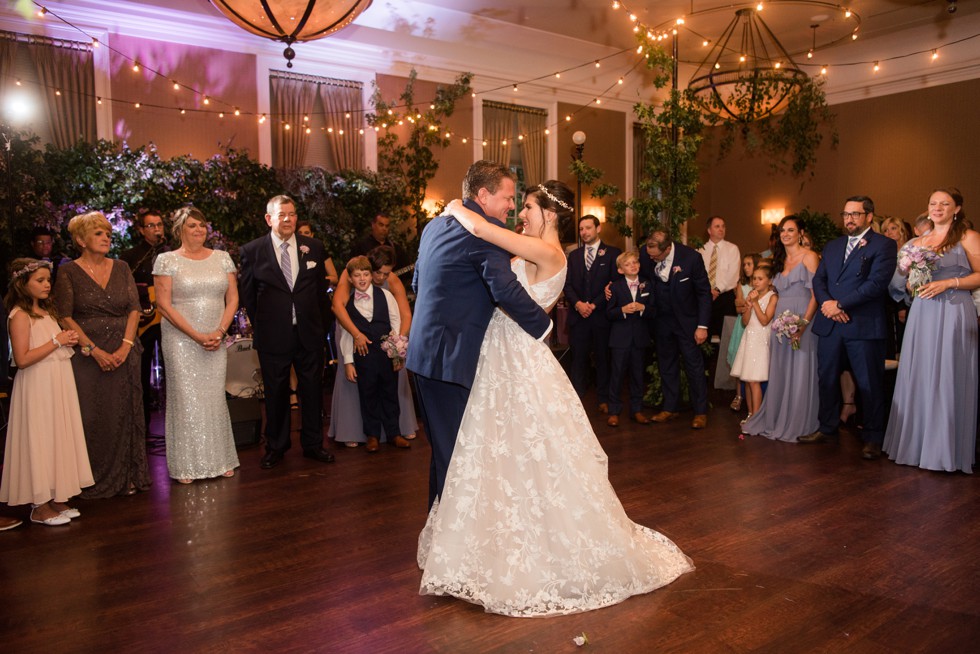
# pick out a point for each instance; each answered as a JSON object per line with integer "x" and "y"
{"x": 860, "y": 287}
{"x": 459, "y": 280}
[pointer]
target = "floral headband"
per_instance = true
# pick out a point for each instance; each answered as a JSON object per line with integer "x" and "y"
{"x": 29, "y": 269}
{"x": 560, "y": 203}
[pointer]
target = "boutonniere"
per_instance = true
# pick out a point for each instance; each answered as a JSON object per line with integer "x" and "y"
{"x": 304, "y": 249}
{"x": 642, "y": 286}
{"x": 676, "y": 269}
{"x": 602, "y": 252}
{"x": 862, "y": 243}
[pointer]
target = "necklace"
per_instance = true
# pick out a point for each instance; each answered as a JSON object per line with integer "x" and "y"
{"x": 97, "y": 276}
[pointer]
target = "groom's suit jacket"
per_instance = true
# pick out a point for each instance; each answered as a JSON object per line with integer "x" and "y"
{"x": 859, "y": 284}
{"x": 459, "y": 280}
{"x": 268, "y": 300}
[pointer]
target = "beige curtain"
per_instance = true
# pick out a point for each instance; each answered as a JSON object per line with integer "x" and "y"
{"x": 8, "y": 50}
{"x": 67, "y": 79}
{"x": 497, "y": 127}
{"x": 532, "y": 125}
{"x": 291, "y": 100}
{"x": 339, "y": 99}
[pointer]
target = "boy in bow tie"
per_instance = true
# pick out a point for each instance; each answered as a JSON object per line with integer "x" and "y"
{"x": 629, "y": 309}
{"x": 374, "y": 312}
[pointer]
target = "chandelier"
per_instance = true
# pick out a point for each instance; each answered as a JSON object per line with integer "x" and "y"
{"x": 292, "y": 20}
{"x": 747, "y": 75}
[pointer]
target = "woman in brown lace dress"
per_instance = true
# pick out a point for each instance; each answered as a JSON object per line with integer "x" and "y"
{"x": 96, "y": 296}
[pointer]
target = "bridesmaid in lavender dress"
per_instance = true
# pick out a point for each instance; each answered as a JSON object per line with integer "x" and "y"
{"x": 789, "y": 407}
{"x": 939, "y": 355}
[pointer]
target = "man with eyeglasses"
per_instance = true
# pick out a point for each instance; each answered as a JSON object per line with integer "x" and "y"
{"x": 851, "y": 289}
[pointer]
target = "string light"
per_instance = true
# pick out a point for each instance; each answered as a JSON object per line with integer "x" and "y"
{"x": 207, "y": 100}
{"x": 42, "y": 12}
{"x": 176, "y": 86}
{"x": 876, "y": 67}
{"x": 597, "y": 64}
{"x": 615, "y": 4}
{"x": 847, "y": 13}
{"x": 758, "y": 7}
{"x": 935, "y": 55}
{"x": 823, "y": 70}
{"x": 136, "y": 67}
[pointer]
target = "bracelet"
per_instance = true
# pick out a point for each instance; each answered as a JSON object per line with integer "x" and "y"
{"x": 87, "y": 349}
{"x": 54, "y": 341}
{"x": 224, "y": 332}
{"x": 126, "y": 340}
{"x": 957, "y": 281}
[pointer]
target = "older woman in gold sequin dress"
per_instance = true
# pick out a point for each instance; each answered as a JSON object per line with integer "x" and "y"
{"x": 197, "y": 294}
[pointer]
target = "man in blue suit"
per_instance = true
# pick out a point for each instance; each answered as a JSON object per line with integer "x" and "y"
{"x": 459, "y": 280}
{"x": 851, "y": 289}
{"x": 590, "y": 269}
{"x": 682, "y": 296}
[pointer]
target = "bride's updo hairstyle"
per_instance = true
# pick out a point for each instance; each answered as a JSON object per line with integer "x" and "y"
{"x": 555, "y": 196}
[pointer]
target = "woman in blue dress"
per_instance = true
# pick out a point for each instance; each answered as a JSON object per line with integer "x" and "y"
{"x": 933, "y": 418}
{"x": 790, "y": 405}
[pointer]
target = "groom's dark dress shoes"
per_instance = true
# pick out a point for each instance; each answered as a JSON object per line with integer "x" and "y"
{"x": 271, "y": 460}
{"x": 318, "y": 454}
{"x": 817, "y": 437}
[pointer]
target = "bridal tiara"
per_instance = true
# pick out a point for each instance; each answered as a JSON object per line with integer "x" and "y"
{"x": 560, "y": 203}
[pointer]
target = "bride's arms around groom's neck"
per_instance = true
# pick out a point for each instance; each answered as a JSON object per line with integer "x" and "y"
{"x": 544, "y": 254}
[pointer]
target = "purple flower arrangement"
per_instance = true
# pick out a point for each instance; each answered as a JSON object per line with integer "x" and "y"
{"x": 788, "y": 325}
{"x": 917, "y": 263}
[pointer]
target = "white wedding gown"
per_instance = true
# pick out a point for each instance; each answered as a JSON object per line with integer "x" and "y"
{"x": 528, "y": 524}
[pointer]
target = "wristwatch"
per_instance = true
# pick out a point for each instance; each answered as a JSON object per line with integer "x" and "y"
{"x": 86, "y": 350}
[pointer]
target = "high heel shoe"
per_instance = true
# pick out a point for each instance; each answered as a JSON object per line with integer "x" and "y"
{"x": 746, "y": 419}
{"x": 847, "y": 416}
{"x": 293, "y": 399}
{"x": 736, "y": 404}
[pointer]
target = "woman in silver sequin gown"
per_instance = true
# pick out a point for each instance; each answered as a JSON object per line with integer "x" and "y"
{"x": 197, "y": 293}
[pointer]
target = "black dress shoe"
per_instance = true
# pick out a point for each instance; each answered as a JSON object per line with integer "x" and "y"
{"x": 817, "y": 437}
{"x": 319, "y": 454}
{"x": 270, "y": 460}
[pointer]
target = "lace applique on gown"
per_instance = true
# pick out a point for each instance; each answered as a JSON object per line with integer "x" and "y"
{"x": 528, "y": 523}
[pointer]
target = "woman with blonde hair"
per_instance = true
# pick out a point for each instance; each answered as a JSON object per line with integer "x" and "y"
{"x": 96, "y": 296}
{"x": 197, "y": 293}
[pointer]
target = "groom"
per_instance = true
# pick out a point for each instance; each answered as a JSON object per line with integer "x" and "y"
{"x": 459, "y": 279}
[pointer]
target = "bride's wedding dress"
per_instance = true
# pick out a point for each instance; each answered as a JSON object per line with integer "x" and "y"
{"x": 528, "y": 523}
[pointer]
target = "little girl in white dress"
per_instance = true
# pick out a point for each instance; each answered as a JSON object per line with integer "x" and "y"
{"x": 751, "y": 363}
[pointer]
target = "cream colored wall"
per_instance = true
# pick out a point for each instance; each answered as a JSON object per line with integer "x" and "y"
{"x": 218, "y": 73}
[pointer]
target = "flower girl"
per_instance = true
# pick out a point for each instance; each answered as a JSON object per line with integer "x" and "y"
{"x": 46, "y": 461}
{"x": 751, "y": 363}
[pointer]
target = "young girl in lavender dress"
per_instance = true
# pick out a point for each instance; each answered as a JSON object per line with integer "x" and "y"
{"x": 751, "y": 364}
{"x": 45, "y": 461}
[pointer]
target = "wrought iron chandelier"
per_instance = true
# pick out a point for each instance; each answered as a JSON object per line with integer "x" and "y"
{"x": 290, "y": 21}
{"x": 748, "y": 74}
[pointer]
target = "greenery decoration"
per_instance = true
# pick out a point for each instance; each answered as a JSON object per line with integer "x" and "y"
{"x": 820, "y": 227}
{"x": 412, "y": 160}
{"x": 788, "y": 139}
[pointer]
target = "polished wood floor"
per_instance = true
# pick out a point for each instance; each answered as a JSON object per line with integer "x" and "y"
{"x": 798, "y": 549}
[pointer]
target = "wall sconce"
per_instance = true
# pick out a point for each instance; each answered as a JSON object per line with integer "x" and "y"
{"x": 598, "y": 211}
{"x": 431, "y": 206}
{"x": 772, "y": 216}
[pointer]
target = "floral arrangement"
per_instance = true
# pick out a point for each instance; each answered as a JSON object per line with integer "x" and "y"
{"x": 788, "y": 324}
{"x": 395, "y": 346}
{"x": 917, "y": 263}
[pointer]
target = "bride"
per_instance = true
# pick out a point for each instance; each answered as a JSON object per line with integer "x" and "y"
{"x": 528, "y": 524}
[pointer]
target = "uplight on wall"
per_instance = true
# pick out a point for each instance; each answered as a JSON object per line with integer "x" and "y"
{"x": 598, "y": 211}
{"x": 431, "y": 206}
{"x": 772, "y": 216}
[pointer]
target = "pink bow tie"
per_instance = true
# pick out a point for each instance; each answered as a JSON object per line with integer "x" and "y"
{"x": 358, "y": 295}
{"x": 634, "y": 285}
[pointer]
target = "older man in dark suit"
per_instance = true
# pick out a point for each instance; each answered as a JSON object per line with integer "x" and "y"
{"x": 590, "y": 269}
{"x": 459, "y": 280}
{"x": 851, "y": 288}
{"x": 682, "y": 296}
{"x": 284, "y": 291}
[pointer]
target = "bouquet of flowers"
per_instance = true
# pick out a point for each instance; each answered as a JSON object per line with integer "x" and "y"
{"x": 789, "y": 324}
{"x": 917, "y": 263}
{"x": 396, "y": 347}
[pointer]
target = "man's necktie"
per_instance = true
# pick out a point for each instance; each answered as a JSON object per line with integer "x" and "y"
{"x": 713, "y": 266}
{"x": 358, "y": 295}
{"x": 851, "y": 242}
{"x": 660, "y": 269}
{"x": 589, "y": 257}
{"x": 286, "y": 265}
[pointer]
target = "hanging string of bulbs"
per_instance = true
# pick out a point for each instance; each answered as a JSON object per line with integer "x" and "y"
{"x": 653, "y": 35}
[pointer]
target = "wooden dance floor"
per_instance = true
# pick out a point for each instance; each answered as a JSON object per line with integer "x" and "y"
{"x": 797, "y": 548}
